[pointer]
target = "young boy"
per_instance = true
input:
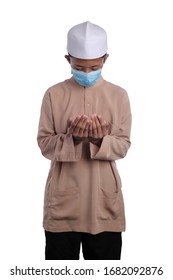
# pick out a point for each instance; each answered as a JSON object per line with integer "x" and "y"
{"x": 84, "y": 128}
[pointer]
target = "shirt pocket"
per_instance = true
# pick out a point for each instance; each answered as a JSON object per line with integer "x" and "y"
{"x": 65, "y": 204}
{"x": 108, "y": 206}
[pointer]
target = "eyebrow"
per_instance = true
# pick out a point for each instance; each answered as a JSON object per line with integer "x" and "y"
{"x": 78, "y": 65}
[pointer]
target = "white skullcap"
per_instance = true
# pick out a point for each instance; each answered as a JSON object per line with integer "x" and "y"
{"x": 87, "y": 41}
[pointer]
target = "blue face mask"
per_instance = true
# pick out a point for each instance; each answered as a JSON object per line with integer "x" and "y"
{"x": 86, "y": 79}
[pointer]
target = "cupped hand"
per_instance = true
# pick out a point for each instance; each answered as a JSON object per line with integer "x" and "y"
{"x": 98, "y": 128}
{"x": 79, "y": 128}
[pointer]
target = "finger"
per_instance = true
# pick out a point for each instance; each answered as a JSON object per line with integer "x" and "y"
{"x": 74, "y": 124}
{"x": 90, "y": 128}
{"x": 76, "y": 120}
{"x": 94, "y": 126}
{"x": 83, "y": 126}
{"x": 78, "y": 131}
{"x": 99, "y": 128}
{"x": 69, "y": 122}
{"x": 85, "y": 129}
{"x": 104, "y": 125}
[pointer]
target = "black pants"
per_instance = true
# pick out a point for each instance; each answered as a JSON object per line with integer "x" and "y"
{"x": 66, "y": 245}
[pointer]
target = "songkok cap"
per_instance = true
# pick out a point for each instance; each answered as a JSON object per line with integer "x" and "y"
{"x": 87, "y": 41}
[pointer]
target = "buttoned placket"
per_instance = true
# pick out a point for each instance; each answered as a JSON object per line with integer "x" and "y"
{"x": 87, "y": 102}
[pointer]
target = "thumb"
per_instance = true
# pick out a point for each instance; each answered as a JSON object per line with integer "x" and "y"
{"x": 69, "y": 122}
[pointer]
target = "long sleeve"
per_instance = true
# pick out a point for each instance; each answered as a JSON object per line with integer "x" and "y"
{"x": 115, "y": 145}
{"x": 53, "y": 145}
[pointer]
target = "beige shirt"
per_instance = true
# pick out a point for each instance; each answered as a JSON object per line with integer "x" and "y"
{"x": 83, "y": 189}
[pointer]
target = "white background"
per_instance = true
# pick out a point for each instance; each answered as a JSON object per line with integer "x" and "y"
{"x": 33, "y": 44}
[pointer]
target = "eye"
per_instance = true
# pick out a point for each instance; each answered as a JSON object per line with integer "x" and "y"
{"x": 95, "y": 68}
{"x": 79, "y": 68}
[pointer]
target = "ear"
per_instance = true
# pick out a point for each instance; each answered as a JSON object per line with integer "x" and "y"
{"x": 68, "y": 58}
{"x": 105, "y": 57}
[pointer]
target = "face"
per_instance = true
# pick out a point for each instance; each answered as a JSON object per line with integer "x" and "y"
{"x": 86, "y": 65}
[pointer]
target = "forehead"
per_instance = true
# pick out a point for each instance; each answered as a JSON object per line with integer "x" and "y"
{"x": 86, "y": 62}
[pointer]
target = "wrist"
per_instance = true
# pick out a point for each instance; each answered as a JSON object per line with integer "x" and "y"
{"x": 76, "y": 140}
{"x": 96, "y": 142}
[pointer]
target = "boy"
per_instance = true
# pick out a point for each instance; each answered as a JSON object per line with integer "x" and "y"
{"x": 84, "y": 128}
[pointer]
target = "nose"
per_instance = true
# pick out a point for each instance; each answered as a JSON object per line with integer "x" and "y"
{"x": 87, "y": 70}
